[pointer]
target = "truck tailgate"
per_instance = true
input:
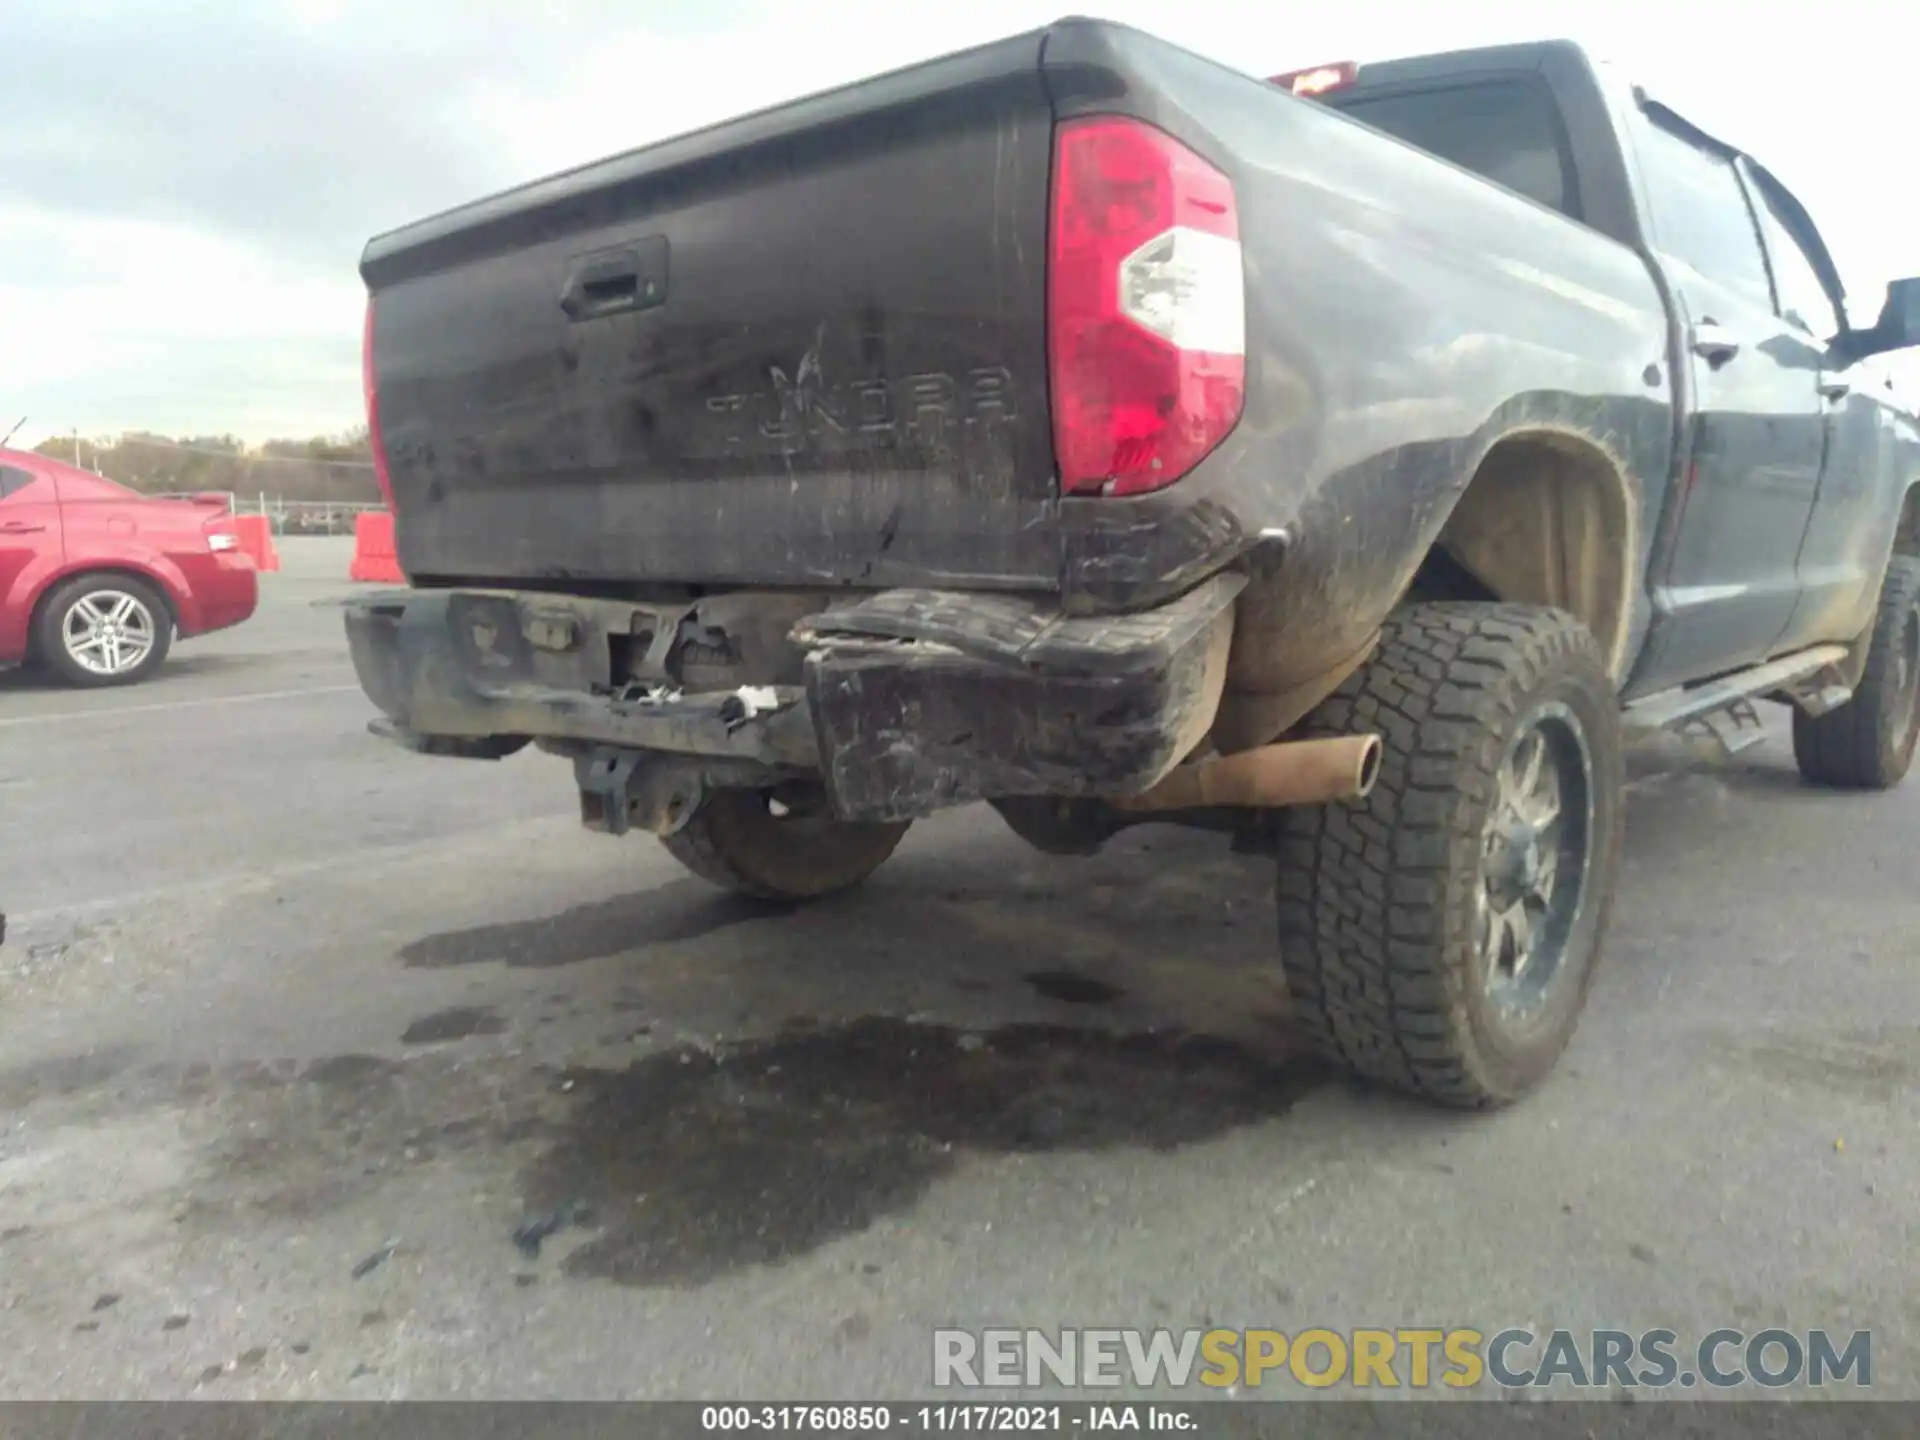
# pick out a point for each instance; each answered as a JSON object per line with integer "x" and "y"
{"x": 803, "y": 346}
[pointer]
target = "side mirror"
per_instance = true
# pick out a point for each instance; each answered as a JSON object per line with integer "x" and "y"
{"x": 1900, "y": 316}
{"x": 1898, "y": 327}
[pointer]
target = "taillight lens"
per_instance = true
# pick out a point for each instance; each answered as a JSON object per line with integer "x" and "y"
{"x": 371, "y": 389}
{"x": 1146, "y": 307}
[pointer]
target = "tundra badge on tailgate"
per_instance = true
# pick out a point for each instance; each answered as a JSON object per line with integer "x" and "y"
{"x": 791, "y": 415}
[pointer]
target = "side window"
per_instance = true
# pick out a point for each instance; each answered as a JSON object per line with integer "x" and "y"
{"x": 1505, "y": 130}
{"x": 1803, "y": 300}
{"x": 13, "y": 478}
{"x": 1700, "y": 214}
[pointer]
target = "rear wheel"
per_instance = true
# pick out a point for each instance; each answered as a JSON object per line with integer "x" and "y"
{"x": 1869, "y": 743}
{"x": 783, "y": 844}
{"x": 103, "y": 630}
{"x": 1440, "y": 936}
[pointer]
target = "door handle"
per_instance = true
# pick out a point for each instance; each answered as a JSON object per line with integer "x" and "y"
{"x": 20, "y": 527}
{"x": 1834, "y": 388}
{"x": 1712, "y": 344}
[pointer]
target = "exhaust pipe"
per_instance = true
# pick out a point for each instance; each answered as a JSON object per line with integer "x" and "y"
{"x": 1292, "y": 772}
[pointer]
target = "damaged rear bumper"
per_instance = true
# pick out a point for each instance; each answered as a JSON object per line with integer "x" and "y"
{"x": 901, "y": 703}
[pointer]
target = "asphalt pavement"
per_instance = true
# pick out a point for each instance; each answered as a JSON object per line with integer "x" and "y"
{"x": 296, "y": 1029}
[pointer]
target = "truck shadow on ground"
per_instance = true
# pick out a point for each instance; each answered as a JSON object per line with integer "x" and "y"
{"x": 690, "y": 1165}
{"x": 1669, "y": 762}
{"x": 678, "y": 911}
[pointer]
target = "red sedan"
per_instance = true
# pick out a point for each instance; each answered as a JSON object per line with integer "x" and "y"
{"x": 96, "y": 581}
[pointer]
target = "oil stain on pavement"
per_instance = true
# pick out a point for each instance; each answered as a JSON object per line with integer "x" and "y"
{"x": 1070, "y": 987}
{"x": 457, "y": 1023}
{"x": 697, "y": 1164}
{"x": 693, "y": 1162}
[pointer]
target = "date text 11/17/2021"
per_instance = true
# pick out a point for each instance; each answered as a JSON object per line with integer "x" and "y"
{"x": 942, "y": 1419}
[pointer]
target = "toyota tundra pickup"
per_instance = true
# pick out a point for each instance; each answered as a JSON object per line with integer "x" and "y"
{"x": 1350, "y": 462}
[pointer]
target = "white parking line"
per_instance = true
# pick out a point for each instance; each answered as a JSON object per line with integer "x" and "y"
{"x": 68, "y": 716}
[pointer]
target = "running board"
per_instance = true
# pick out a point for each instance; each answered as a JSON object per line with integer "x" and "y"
{"x": 1788, "y": 677}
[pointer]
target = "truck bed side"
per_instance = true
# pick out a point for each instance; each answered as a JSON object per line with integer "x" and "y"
{"x": 1404, "y": 316}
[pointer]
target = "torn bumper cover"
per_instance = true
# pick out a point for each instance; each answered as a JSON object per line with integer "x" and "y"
{"x": 923, "y": 699}
{"x": 903, "y": 702}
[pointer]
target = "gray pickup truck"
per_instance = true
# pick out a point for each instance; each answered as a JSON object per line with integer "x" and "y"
{"x": 1347, "y": 463}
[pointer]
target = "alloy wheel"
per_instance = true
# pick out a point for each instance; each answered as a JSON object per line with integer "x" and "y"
{"x": 1535, "y": 857}
{"x": 108, "y": 632}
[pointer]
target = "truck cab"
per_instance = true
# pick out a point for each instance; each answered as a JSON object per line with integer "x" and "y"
{"x": 1772, "y": 534}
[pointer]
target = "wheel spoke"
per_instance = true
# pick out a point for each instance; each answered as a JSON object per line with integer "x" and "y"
{"x": 1545, "y": 878}
{"x": 1529, "y": 758}
{"x": 1519, "y": 925}
{"x": 1543, "y": 806}
{"x": 1493, "y": 939}
{"x": 122, "y": 609}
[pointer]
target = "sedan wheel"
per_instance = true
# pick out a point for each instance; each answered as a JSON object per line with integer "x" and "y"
{"x": 109, "y": 632}
{"x": 103, "y": 630}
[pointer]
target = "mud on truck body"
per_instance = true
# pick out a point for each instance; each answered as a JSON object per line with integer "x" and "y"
{"x": 1347, "y": 463}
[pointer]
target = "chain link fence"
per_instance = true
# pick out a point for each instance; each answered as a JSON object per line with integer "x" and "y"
{"x": 289, "y": 517}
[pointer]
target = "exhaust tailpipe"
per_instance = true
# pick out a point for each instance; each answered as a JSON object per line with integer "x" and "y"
{"x": 1292, "y": 772}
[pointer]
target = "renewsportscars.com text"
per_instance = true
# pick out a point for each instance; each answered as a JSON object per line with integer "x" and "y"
{"x": 1401, "y": 1358}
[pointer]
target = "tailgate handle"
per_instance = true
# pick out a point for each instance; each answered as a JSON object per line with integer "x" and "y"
{"x": 612, "y": 282}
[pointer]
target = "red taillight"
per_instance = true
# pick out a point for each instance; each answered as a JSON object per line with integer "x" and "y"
{"x": 1146, "y": 307}
{"x": 371, "y": 389}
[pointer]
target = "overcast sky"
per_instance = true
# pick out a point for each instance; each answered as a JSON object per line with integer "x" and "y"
{"x": 188, "y": 183}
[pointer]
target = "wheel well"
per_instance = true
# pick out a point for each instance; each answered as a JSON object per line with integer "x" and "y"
{"x": 1906, "y": 535}
{"x": 1548, "y": 518}
{"x": 104, "y": 572}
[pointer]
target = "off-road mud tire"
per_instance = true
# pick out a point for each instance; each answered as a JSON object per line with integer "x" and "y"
{"x": 737, "y": 842}
{"x": 1869, "y": 742}
{"x": 1379, "y": 898}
